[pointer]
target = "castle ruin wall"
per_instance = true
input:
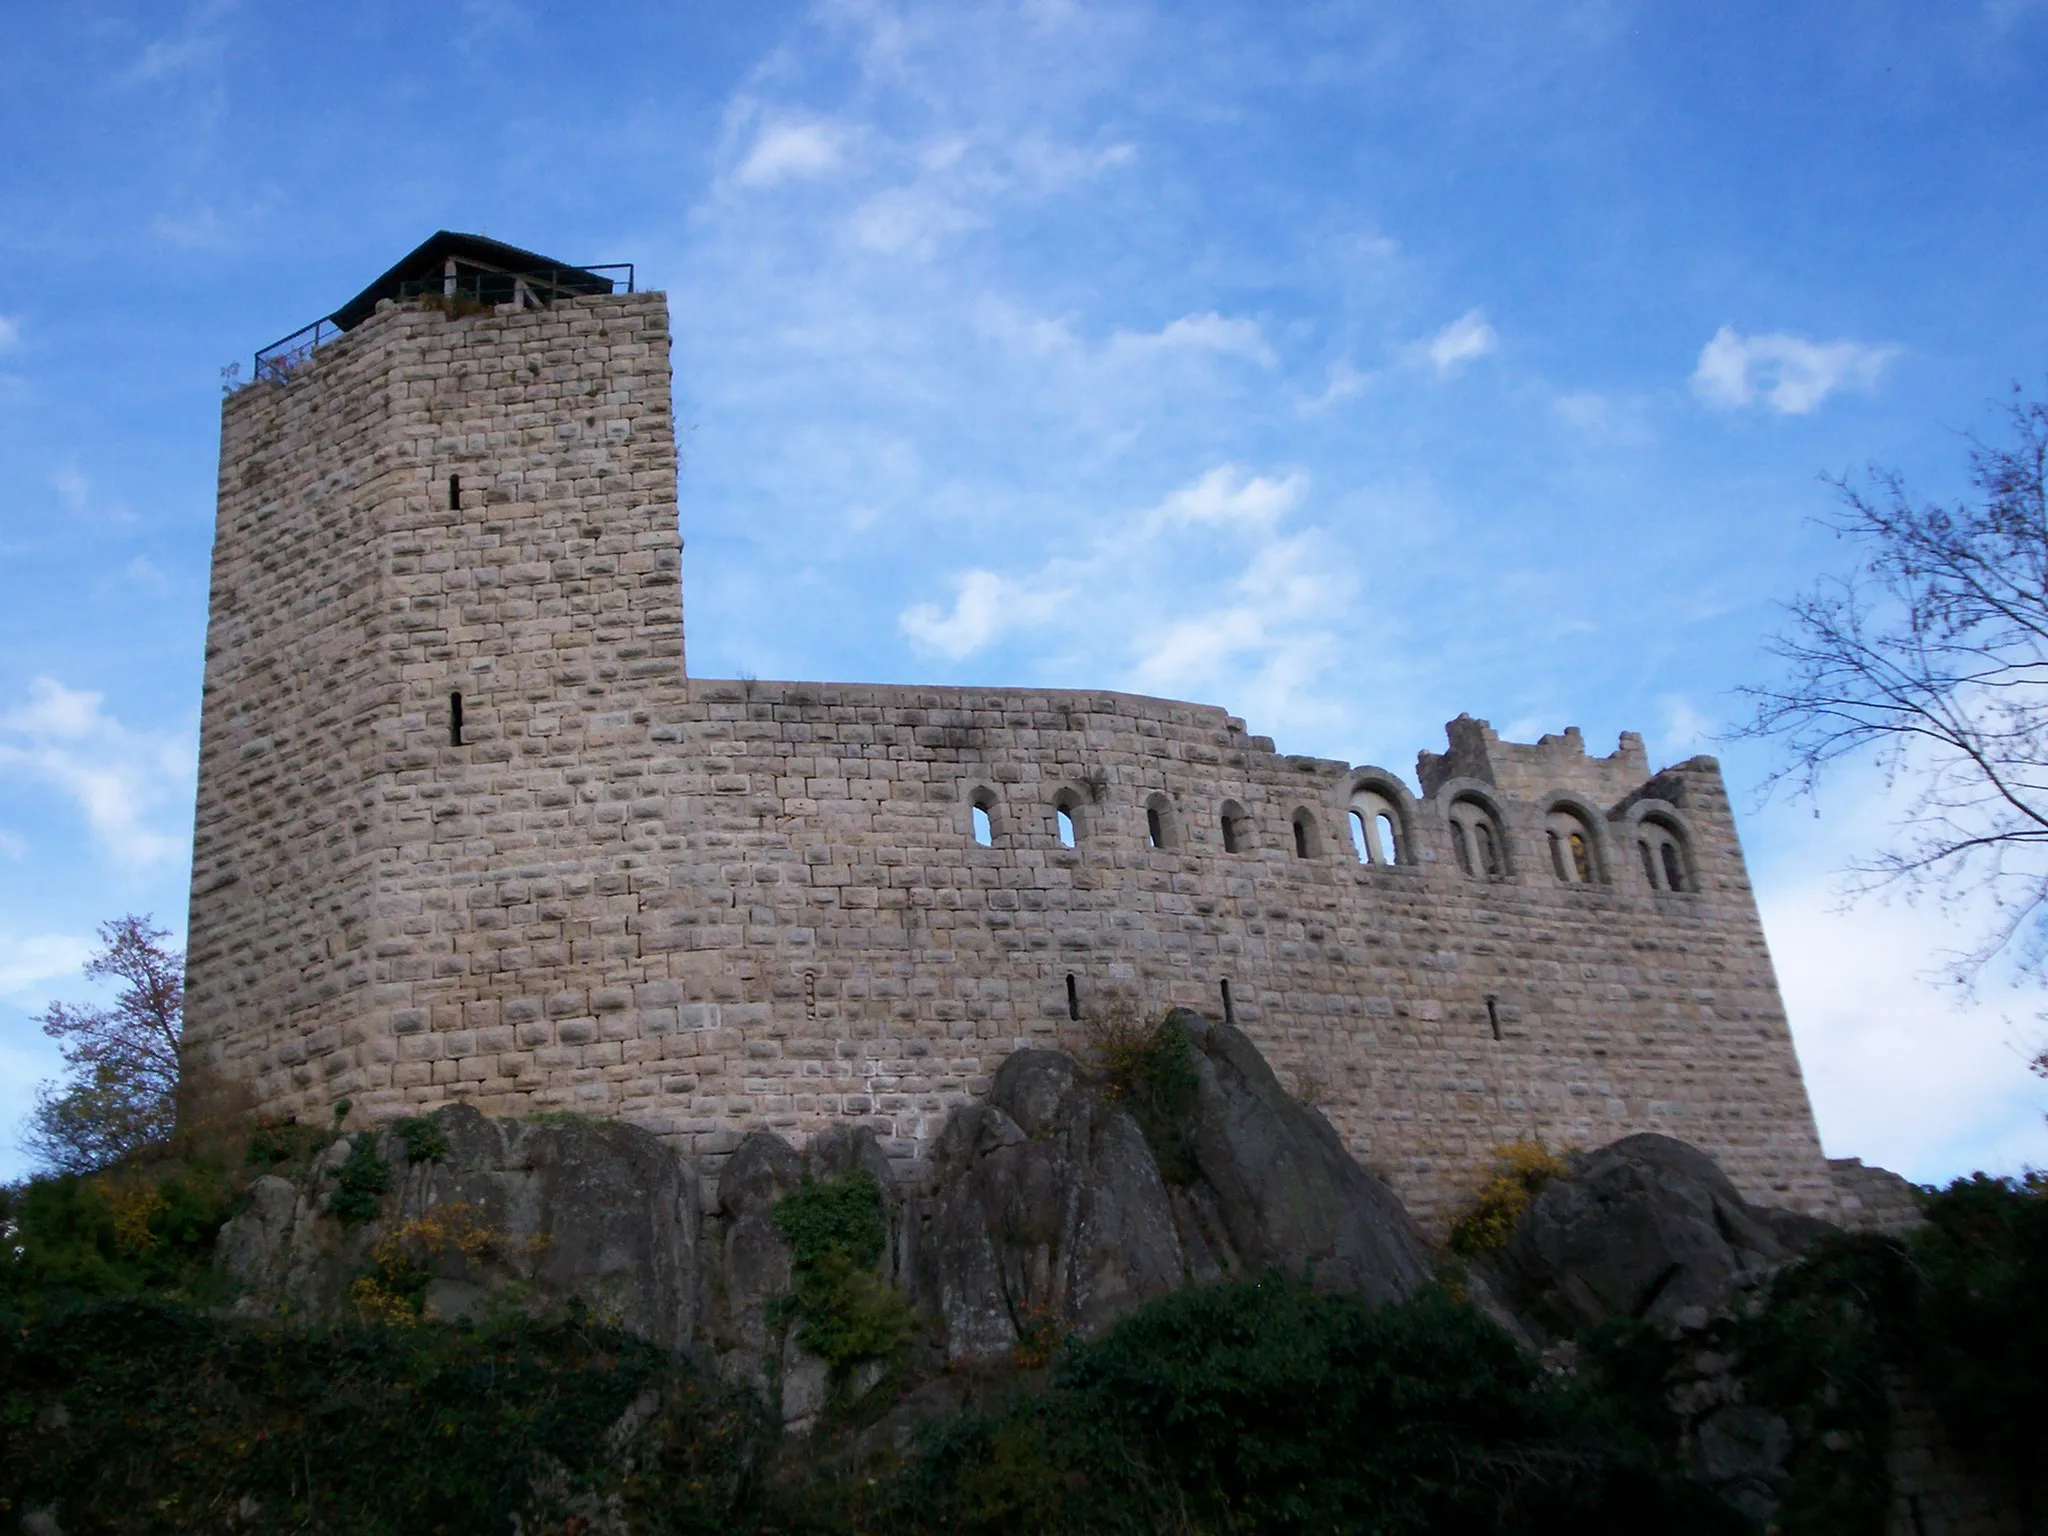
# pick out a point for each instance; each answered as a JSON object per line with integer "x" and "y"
{"x": 709, "y": 906}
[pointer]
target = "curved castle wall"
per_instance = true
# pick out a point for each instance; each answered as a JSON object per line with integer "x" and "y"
{"x": 708, "y": 906}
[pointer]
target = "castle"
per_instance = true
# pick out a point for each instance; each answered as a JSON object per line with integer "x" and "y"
{"x": 468, "y": 830}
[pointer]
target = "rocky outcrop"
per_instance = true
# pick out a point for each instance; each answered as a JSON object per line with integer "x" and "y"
{"x": 1284, "y": 1192}
{"x": 1048, "y": 1212}
{"x": 510, "y": 1213}
{"x": 1648, "y": 1228}
{"x": 1051, "y": 1209}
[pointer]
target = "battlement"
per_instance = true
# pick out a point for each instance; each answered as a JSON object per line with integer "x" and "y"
{"x": 466, "y": 830}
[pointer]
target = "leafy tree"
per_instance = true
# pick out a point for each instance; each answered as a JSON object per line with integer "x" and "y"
{"x": 1932, "y": 656}
{"x": 120, "y": 1088}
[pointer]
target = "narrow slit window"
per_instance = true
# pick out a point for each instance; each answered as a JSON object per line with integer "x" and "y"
{"x": 1155, "y": 828}
{"x": 1229, "y": 1011}
{"x": 1361, "y": 838}
{"x": 1493, "y": 1013}
{"x": 1674, "y": 872}
{"x": 984, "y": 829}
{"x": 454, "y": 719}
{"x": 1582, "y": 858}
{"x": 1649, "y": 863}
{"x": 1073, "y": 998}
{"x": 1489, "y": 850}
{"x": 455, "y": 493}
{"x": 1301, "y": 837}
{"x": 1229, "y": 833}
{"x": 1065, "y": 818}
{"x": 1390, "y": 847}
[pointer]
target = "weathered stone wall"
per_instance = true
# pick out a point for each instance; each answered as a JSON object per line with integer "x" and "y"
{"x": 712, "y": 906}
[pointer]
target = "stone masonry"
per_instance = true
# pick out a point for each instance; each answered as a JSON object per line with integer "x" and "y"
{"x": 708, "y": 906}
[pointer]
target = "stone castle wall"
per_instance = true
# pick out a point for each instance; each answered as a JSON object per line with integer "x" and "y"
{"x": 709, "y": 906}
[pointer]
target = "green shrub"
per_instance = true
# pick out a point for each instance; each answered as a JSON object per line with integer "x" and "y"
{"x": 118, "y": 1233}
{"x": 838, "y": 1230}
{"x": 1520, "y": 1171}
{"x": 425, "y": 1141}
{"x": 287, "y": 1147}
{"x": 1979, "y": 1334}
{"x": 174, "y": 1421}
{"x": 1266, "y": 1407}
{"x": 359, "y": 1183}
{"x": 1150, "y": 1070}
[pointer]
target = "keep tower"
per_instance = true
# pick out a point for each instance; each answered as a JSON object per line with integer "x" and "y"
{"x": 445, "y": 609}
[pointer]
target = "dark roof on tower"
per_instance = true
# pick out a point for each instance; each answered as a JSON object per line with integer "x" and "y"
{"x": 474, "y": 256}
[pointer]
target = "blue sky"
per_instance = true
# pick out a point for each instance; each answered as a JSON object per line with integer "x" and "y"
{"x": 1348, "y": 365}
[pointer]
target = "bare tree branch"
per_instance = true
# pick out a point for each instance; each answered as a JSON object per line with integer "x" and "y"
{"x": 1931, "y": 657}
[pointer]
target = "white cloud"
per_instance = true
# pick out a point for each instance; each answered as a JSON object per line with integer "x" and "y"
{"x": 28, "y": 964}
{"x": 127, "y": 784}
{"x": 985, "y": 607}
{"x": 1208, "y": 332}
{"x": 1902, "y": 1073}
{"x": 75, "y": 491}
{"x": 198, "y": 44}
{"x": 1687, "y": 729}
{"x": 792, "y": 152}
{"x": 1268, "y": 633}
{"x": 1344, "y": 382}
{"x": 200, "y": 229}
{"x": 1226, "y": 495}
{"x": 909, "y": 221}
{"x": 1458, "y": 343}
{"x": 145, "y": 572}
{"x": 1791, "y": 374}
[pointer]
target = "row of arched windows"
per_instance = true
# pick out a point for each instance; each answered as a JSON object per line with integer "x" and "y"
{"x": 1378, "y": 836}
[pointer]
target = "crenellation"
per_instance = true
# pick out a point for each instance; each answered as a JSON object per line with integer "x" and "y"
{"x": 705, "y": 905}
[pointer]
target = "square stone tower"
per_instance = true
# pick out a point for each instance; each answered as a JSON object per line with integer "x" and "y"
{"x": 445, "y": 599}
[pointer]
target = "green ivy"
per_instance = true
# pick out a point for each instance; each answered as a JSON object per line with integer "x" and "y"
{"x": 1153, "y": 1076}
{"x": 425, "y": 1141}
{"x": 359, "y": 1183}
{"x": 838, "y": 1230}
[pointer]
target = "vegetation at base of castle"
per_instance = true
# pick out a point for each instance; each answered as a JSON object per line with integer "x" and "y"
{"x": 130, "y": 1400}
{"x": 394, "y": 1292}
{"x": 1262, "y": 1406}
{"x": 359, "y": 1183}
{"x": 127, "y": 1416}
{"x": 1957, "y": 1307}
{"x": 838, "y": 1230}
{"x": 118, "y": 1095}
{"x": 425, "y": 1141}
{"x": 1149, "y": 1068}
{"x": 1520, "y": 1170}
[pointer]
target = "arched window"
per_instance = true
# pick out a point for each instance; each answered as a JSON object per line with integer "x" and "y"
{"x": 1572, "y": 857}
{"x": 1666, "y": 865}
{"x": 1066, "y": 818}
{"x": 1477, "y": 841}
{"x": 984, "y": 813}
{"x": 1160, "y": 831}
{"x": 1308, "y": 838}
{"x": 1376, "y": 828}
{"x": 1236, "y": 827}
